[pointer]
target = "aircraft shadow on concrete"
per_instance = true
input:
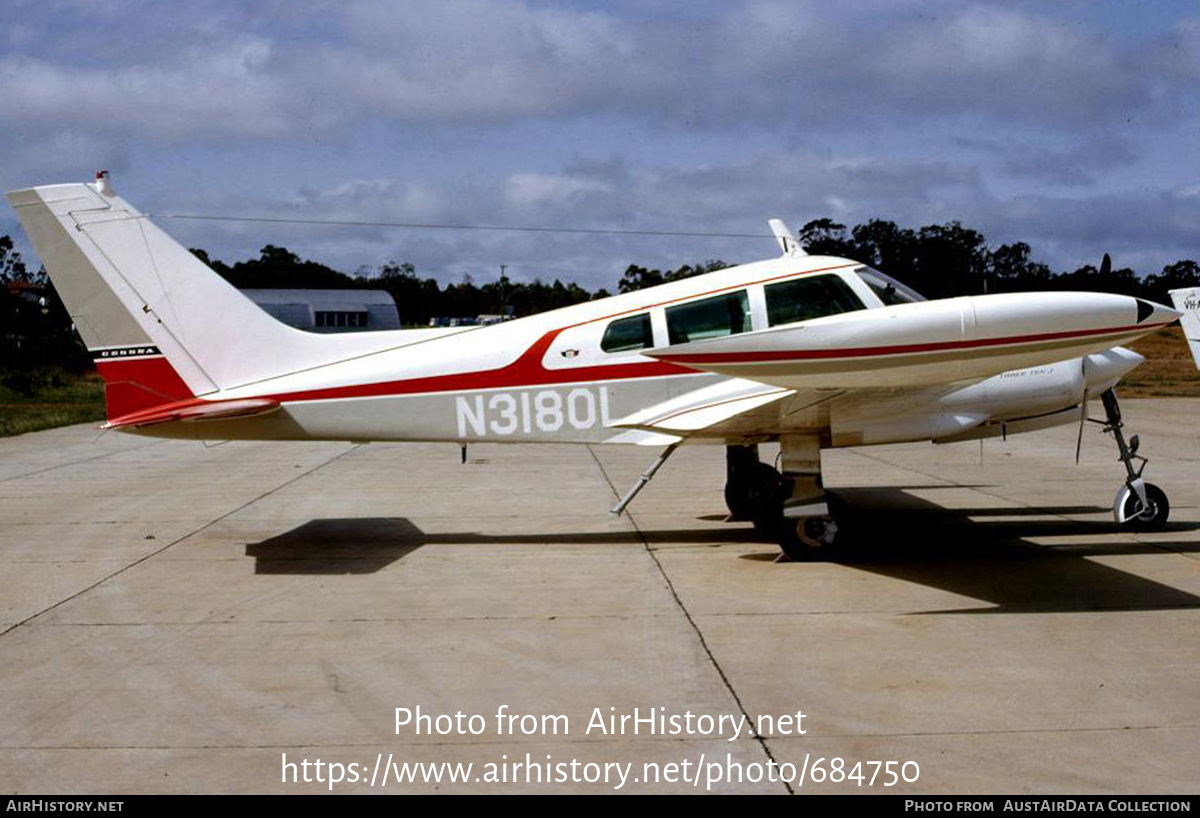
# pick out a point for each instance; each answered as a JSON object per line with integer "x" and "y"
{"x": 351, "y": 545}
{"x": 980, "y": 553}
{"x": 988, "y": 554}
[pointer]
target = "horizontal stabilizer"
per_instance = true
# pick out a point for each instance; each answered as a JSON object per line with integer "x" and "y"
{"x": 196, "y": 410}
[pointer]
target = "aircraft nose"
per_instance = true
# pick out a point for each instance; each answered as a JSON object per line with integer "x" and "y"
{"x": 1102, "y": 370}
{"x": 1149, "y": 312}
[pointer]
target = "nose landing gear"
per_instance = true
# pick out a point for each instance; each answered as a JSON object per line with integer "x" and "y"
{"x": 1138, "y": 506}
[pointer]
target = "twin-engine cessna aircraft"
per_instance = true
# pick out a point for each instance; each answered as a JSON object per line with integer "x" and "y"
{"x": 810, "y": 351}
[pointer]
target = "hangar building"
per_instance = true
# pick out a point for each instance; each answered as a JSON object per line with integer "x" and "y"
{"x": 329, "y": 310}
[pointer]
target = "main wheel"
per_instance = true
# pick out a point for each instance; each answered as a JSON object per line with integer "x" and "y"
{"x": 825, "y": 537}
{"x": 1151, "y": 518}
{"x": 755, "y": 493}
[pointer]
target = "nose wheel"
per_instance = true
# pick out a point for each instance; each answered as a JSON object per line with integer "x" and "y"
{"x": 1138, "y": 506}
{"x": 1137, "y": 514}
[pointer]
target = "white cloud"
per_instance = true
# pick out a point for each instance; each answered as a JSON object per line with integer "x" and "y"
{"x": 207, "y": 91}
{"x": 545, "y": 192}
{"x": 712, "y": 117}
{"x": 762, "y": 64}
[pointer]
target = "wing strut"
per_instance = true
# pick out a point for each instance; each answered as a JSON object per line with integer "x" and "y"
{"x": 644, "y": 479}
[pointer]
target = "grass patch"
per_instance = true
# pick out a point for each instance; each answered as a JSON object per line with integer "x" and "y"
{"x": 1169, "y": 370}
{"x": 31, "y": 402}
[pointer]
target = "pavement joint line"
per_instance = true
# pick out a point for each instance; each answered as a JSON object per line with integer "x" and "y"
{"x": 180, "y": 539}
{"x": 1179, "y": 606}
{"x": 692, "y": 622}
{"x": 1033, "y": 731}
{"x": 580, "y": 617}
{"x": 58, "y": 562}
{"x": 357, "y": 620}
{"x": 298, "y": 560}
{"x": 594, "y": 741}
{"x": 79, "y": 462}
{"x": 581, "y": 742}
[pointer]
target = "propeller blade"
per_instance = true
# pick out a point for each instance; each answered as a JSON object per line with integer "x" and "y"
{"x": 1083, "y": 405}
{"x": 1083, "y": 416}
{"x": 1105, "y": 266}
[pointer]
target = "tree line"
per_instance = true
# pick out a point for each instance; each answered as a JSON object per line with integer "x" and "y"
{"x": 936, "y": 260}
{"x": 944, "y": 260}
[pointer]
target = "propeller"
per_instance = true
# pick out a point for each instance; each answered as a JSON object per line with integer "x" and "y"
{"x": 1083, "y": 418}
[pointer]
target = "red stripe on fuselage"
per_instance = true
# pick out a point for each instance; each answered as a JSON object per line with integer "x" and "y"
{"x": 138, "y": 384}
{"x": 528, "y": 370}
{"x": 767, "y": 356}
{"x": 525, "y": 371}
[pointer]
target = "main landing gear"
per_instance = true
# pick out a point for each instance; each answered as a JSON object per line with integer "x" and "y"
{"x": 812, "y": 524}
{"x": 1139, "y": 506}
{"x": 792, "y": 507}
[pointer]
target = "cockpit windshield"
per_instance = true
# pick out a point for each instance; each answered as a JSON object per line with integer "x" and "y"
{"x": 889, "y": 290}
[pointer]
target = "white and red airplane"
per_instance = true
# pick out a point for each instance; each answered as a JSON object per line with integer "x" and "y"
{"x": 810, "y": 351}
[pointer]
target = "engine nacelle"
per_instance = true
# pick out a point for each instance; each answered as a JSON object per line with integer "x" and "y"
{"x": 1008, "y": 403}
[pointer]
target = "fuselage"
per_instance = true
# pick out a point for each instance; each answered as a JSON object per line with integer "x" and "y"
{"x": 812, "y": 351}
{"x": 569, "y": 375}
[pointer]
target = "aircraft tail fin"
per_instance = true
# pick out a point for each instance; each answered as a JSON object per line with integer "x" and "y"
{"x": 162, "y": 326}
{"x": 1187, "y": 301}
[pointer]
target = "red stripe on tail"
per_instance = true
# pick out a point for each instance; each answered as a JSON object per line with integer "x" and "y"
{"x": 140, "y": 384}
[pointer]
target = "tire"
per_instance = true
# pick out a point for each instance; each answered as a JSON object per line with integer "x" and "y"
{"x": 737, "y": 499}
{"x": 1152, "y": 518}
{"x": 808, "y": 539}
{"x": 756, "y": 494}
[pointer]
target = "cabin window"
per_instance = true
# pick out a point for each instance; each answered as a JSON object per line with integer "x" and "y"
{"x": 709, "y": 318}
{"x": 628, "y": 333}
{"x": 802, "y": 299}
{"x": 889, "y": 290}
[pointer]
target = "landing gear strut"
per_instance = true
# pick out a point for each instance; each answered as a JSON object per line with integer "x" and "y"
{"x": 1139, "y": 506}
{"x": 792, "y": 507}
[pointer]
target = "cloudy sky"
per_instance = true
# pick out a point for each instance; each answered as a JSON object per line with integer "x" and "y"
{"x": 1073, "y": 126}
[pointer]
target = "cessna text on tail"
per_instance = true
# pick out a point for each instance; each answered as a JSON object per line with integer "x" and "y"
{"x": 810, "y": 351}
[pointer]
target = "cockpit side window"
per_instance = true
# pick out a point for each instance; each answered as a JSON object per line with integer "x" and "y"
{"x": 889, "y": 290}
{"x": 709, "y": 318}
{"x": 629, "y": 333}
{"x": 802, "y": 299}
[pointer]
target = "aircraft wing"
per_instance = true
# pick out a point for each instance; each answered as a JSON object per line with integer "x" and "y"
{"x": 730, "y": 408}
{"x": 702, "y": 408}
